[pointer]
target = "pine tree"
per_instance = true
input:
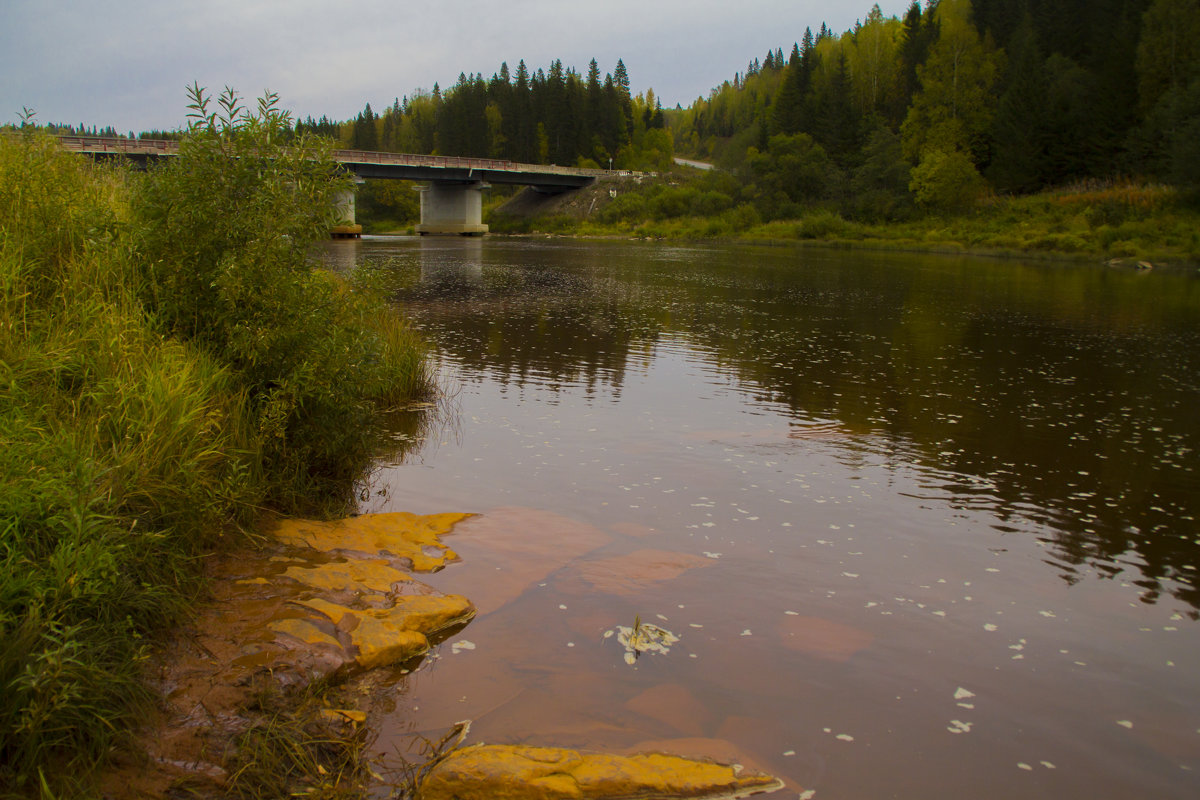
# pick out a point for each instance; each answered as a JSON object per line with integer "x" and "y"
{"x": 363, "y": 134}
{"x": 918, "y": 36}
{"x": 837, "y": 123}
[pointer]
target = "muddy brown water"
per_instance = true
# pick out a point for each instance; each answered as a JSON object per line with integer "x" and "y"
{"x": 925, "y": 526}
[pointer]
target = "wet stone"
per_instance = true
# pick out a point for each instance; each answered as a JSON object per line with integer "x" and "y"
{"x": 412, "y": 538}
{"x": 367, "y": 575}
{"x": 515, "y": 772}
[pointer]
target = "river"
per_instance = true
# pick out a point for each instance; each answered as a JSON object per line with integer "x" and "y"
{"x": 924, "y": 526}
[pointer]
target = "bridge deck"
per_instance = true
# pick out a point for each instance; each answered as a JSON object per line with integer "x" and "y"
{"x": 367, "y": 164}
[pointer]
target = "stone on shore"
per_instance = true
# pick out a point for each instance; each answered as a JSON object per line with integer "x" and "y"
{"x": 378, "y": 637}
{"x": 411, "y": 537}
{"x": 517, "y": 772}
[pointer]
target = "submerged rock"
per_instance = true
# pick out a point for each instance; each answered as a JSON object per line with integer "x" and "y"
{"x": 516, "y": 772}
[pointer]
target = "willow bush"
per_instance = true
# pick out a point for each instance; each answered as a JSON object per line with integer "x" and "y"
{"x": 225, "y": 233}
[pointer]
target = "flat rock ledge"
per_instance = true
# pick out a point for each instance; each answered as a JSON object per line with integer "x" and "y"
{"x": 516, "y": 772}
{"x": 340, "y": 597}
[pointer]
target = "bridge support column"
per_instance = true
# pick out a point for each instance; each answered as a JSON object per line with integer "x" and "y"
{"x": 452, "y": 208}
{"x": 346, "y": 228}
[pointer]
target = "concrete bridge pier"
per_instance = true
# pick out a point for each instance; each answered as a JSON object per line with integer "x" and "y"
{"x": 346, "y": 228}
{"x": 452, "y": 208}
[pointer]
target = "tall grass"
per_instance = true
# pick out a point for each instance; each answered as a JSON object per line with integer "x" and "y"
{"x": 130, "y": 448}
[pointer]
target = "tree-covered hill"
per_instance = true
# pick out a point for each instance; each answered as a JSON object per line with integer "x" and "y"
{"x": 957, "y": 96}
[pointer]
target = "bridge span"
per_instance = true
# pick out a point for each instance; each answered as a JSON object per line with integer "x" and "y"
{"x": 451, "y": 203}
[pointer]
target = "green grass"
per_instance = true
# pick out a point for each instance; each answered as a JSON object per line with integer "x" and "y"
{"x": 130, "y": 450}
{"x": 289, "y": 749}
{"x": 1097, "y": 222}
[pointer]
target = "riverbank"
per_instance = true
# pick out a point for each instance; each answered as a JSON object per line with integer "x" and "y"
{"x": 1132, "y": 222}
{"x": 175, "y": 372}
{"x": 280, "y": 685}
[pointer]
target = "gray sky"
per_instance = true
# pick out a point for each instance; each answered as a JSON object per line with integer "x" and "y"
{"x": 125, "y": 63}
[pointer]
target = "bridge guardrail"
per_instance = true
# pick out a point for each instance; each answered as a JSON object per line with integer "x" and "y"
{"x": 99, "y": 144}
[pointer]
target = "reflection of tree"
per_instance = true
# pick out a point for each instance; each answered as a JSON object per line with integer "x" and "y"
{"x": 1058, "y": 396}
{"x": 529, "y": 323}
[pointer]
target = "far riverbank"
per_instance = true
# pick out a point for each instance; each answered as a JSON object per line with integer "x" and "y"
{"x": 1115, "y": 223}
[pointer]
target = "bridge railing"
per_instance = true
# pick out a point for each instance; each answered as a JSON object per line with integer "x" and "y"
{"x": 168, "y": 147}
{"x": 459, "y": 162}
{"x": 104, "y": 144}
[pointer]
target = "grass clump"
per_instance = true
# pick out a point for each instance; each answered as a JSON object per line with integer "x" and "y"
{"x": 171, "y": 365}
{"x": 292, "y": 749}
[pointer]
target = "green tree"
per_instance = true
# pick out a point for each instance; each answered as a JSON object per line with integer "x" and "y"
{"x": 919, "y": 33}
{"x": 1168, "y": 66}
{"x": 1074, "y": 139}
{"x": 364, "y": 135}
{"x": 787, "y": 110}
{"x": 874, "y": 61}
{"x": 837, "y": 123}
{"x": 953, "y": 109}
{"x": 495, "y": 131}
{"x": 1169, "y": 50}
{"x": 794, "y": 169}
{"x": 1019, "y": 128}
{"x": 879, "y": 187}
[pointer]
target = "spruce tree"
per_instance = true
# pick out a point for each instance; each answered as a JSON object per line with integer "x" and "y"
{"x": 1019, "y": 130}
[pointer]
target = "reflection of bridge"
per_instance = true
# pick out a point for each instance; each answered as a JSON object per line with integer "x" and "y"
{"x": 451, "y": 203}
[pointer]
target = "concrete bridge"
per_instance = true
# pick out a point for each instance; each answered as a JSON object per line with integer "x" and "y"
{"x": 451, "y": 202}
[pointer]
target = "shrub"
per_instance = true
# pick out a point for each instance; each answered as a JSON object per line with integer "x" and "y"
{"x": 822, "y": 225}
{"x": 946, "y": 182}
{"x": 224, "y": 234}
{"x": 124, "y": 456}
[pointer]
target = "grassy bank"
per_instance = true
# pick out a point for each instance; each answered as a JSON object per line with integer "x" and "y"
{"x": 172, "y": 369}
{"x": 1119, "y": 220}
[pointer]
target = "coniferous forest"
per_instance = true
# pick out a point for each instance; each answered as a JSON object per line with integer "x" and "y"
{"x": 958, "y": 97}
{"x": 552, "y": 116}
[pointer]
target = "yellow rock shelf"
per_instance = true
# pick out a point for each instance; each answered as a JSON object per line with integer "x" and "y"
{"x": 516, "y": 772}
{"x": 400, "y": 534}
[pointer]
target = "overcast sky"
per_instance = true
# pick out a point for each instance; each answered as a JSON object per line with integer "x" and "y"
{"x": 125, "y": 63}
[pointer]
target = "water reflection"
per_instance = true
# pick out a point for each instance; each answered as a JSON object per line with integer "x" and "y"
{"x": 451, "y": 268}
{"x": 1060, "y": 399}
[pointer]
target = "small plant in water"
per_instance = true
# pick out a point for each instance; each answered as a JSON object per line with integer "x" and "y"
{"x": 431, "y": 753}
{"x": 643, "y": 638}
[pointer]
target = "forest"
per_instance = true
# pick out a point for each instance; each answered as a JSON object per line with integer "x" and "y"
{"x": 958, "y": 98}
{"x": 552, "y": 116}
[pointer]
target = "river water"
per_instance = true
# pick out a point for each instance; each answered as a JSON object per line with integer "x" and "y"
{"x": 924, "y": 526}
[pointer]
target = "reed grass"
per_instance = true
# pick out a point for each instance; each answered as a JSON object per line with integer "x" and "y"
{"x": 290, "y": 749}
